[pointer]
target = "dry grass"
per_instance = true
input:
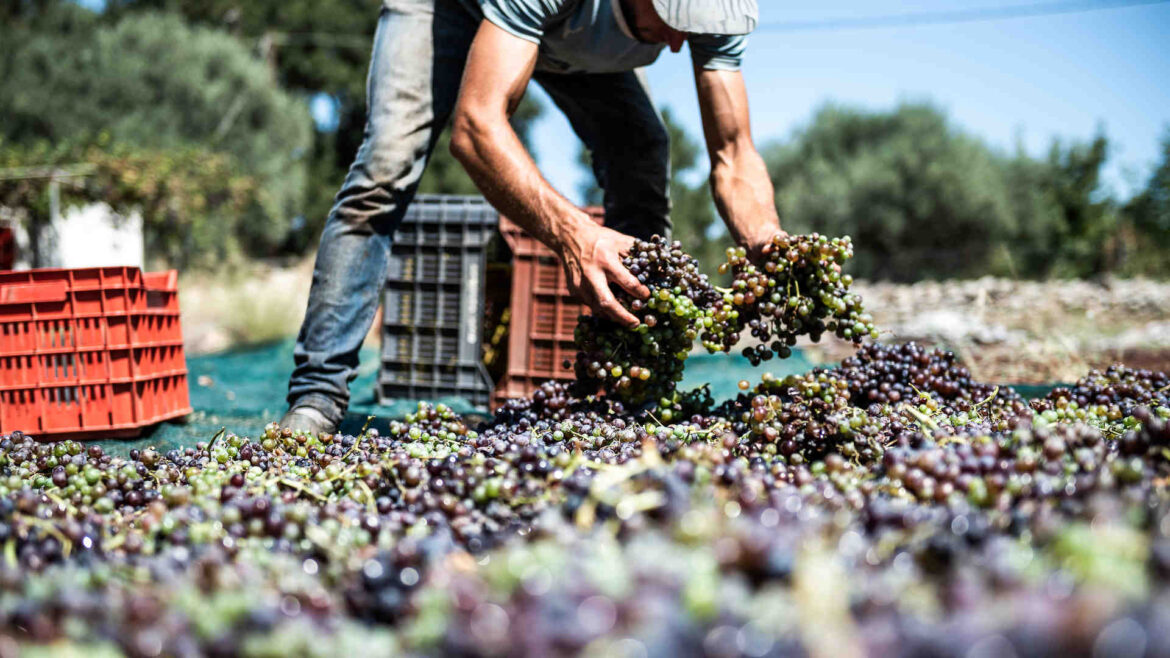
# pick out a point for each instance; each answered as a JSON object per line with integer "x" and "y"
{"x": 256, "y": 305}
{"x": 259, "y": 304}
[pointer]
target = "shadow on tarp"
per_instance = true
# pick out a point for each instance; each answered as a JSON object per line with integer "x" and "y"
{"x": 243, "y": 390}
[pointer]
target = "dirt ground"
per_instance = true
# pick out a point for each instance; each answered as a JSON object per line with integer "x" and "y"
{"x": 1006, "y": 331}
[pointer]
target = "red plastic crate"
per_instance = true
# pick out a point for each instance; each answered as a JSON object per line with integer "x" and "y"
{"x": 7, "y": 248}
{"x": 543, "y": 316}
{"x": 90, "y": 353}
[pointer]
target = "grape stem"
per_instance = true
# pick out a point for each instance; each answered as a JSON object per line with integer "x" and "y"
{"x": 66, "y": 545}
{"x": 359, "y": 439}
{"x": 220, "y": 433}
{"x": 922, "y": 418}
{"x": 373, "y": 510}
{"x": 294, "y": 485}
{"x": 652, "y": 417}
{"x": 394, "y": 478}
{"x": 988, "y": 399}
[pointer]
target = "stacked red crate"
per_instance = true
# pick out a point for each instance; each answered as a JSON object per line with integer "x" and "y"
{"x": 90, "y": 353}
{"x": 543, "y": 315}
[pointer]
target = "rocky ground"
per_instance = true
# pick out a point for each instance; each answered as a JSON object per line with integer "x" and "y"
{"x": 1027, "y": 331}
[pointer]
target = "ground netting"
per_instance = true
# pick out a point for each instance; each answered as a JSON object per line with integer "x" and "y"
{"x": 244, "y": 389}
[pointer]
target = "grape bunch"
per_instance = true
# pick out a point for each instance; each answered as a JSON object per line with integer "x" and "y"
{"x": 798, "y": 289}
{"x": 880, "y": 374}
{"x": 798, "y": 417}
{"x": 1109, "y": 395}
{"x": 646, "y": 362}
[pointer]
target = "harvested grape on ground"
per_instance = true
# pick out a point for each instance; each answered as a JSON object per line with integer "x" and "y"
{"x": 791, "y": 520}
{"x": 889, "y": 506}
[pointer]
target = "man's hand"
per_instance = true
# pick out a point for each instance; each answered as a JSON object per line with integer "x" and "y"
{"x": 762, "y": 245}
{"x": 592, "y": 256}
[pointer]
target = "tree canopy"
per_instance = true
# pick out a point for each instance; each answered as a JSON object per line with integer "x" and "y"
{"x": 320, "y": 48}
{"x": 923, "y": 199}
{"x": 917, "y": 195}
{"x": 153, "y": 83}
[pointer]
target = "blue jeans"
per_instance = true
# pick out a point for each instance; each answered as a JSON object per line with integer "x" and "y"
{"x": 420, "y": 48}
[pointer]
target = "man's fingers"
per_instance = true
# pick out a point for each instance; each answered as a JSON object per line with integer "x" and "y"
{"x": 618, "y": 313}
{"x": 630, "y": 283}
{"x": 609, "y": 306}
{"x": 625, "y": 241}
{"x": 770, "y": 245}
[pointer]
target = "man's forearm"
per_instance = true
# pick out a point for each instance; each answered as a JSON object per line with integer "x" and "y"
{"x": 499, "y": 66}
{"x": 744, "y": 195}
{"x": 499, "y": 165}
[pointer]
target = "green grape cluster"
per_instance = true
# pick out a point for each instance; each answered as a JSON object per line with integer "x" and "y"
{"x": 798, "y": 289}
{"x": 644, "y": 363}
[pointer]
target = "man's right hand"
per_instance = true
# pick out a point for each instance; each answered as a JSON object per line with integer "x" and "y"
{"x": 592, "y": 256}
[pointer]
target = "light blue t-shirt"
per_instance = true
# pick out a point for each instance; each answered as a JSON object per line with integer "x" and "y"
{"x": 591, "y": 36}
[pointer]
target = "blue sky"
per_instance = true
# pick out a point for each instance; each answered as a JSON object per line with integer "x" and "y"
{"x": 1026, "y": 79}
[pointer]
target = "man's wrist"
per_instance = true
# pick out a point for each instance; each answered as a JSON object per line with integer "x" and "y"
{"x": 568, "y": 232}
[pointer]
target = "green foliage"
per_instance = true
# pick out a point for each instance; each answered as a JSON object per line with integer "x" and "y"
{"x": 314, "y": 46}
{"x": 194, "y": 202}
{"x": 322, "y": 48}
{"x": 1085, "y": 222}
{"x": 1146, "y": 224}
{"x": 919, "y": 197}
{"x": 151, "y": 84}
{"x": 1152, "y": 209}
{"x": 1148, "y": 218}
{"x": 924, "y": 200}
{"x": 1065, "y": 226}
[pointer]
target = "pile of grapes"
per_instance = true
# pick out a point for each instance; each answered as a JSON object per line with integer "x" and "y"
{"x": 797, "y": 290}
{"x": 889, "y": 506}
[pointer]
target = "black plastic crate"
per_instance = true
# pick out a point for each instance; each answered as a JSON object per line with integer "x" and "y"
{"x": 416, "y": 306}
{"x": 423, "y": 381}
{"x": 433, "y": 303}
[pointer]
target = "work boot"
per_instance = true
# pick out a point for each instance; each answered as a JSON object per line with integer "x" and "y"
{"x": 308, "y": 419}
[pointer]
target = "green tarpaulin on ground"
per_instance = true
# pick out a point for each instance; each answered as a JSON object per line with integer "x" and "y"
{"x": 244, "y": 389}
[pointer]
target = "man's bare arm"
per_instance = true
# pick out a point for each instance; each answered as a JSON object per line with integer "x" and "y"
{"x": 739, "y": 180}
{"x": 499, "y": 66}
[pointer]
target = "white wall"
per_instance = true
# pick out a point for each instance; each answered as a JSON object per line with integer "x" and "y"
{"x": 93, "y": 236}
